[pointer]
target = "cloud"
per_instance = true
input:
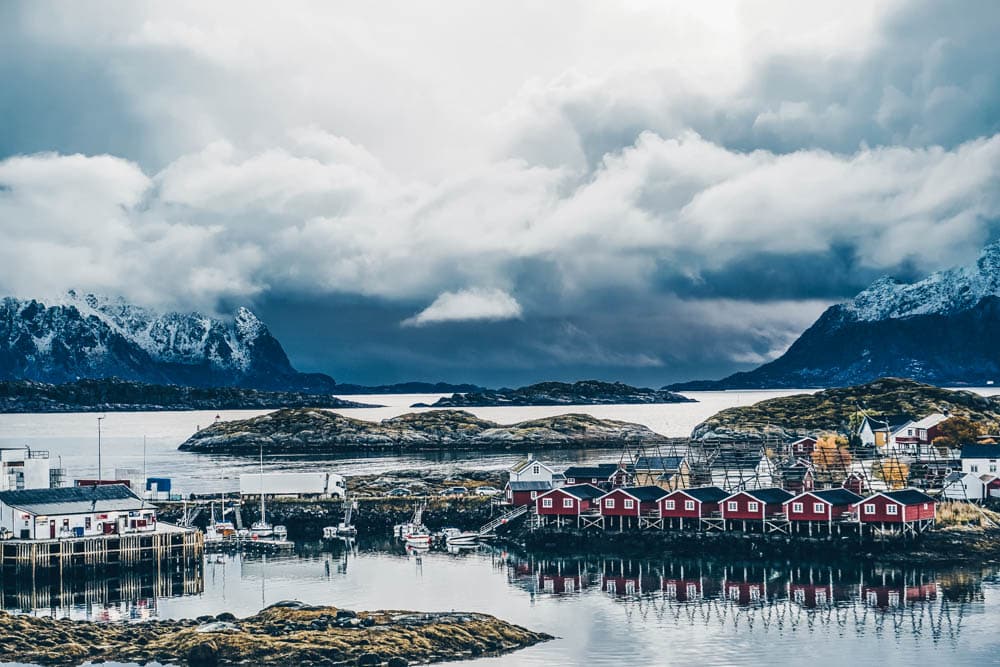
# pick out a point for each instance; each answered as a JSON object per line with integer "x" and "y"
{"x": 467, "y": 305}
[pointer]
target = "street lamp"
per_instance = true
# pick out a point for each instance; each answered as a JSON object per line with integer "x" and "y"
{"x": 100, "y": 477}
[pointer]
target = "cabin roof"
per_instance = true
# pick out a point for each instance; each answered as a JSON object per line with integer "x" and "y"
{"x": 930, "y": 420}
{"x": 646, "y": 493}
{"x": 909, "y": 496}
{"x": 895, "y": 422}
{"x": 705, "y": 494}
{"x": 74, "y": 500}
{"x": 832, "y": 496}
{"x": 767, "y": 496}
{"x": 582, "y": 491}
{"x": 599, "y": 471}
{"x": 530, "y": 486}
{"x": 521, "y": 465}
{"x": 658, "y": 462}
{"x": 981, "y": 451}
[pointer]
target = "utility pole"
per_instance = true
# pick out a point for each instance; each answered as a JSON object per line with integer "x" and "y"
{"x": 100, "y": 477}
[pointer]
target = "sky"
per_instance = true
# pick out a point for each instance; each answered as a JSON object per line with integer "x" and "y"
{"x": 498, "y": 192}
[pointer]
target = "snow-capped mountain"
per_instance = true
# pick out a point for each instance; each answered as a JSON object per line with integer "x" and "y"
{"x": 87, "y": 336}
{"x": 941, "y": 330}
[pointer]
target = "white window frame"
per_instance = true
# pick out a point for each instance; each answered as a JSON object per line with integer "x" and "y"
{"x": 546, "y": 502}
{"x": 534, "y": 494}
{"x": 670, "y": 504}
{"x": 869, "y": 508}
{"x": 689, "y": 505}
{"x": 892, "y": 509}
{"x": 609, "y": 503}
{"x": 797, "y": 508}
{"x": 567, "y": 503}
{"x": 629, "y": 504}
{"x": 753, "y": 506}
{"x": 819, "y": 508}
{"x": 732, "y": 506}
{"x": 536, "y": 469}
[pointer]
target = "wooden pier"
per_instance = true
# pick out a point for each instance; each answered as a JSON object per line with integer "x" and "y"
{"x": 165, "y": 543}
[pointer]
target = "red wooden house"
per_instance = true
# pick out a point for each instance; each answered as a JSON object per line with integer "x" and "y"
{"x": 525, "y": 493}
{"x": 691, "y": 504}
{"x": 827, "y": 506}
{"x": 756, "y": 504}
{"x": 797, "y": 476}
{"x": 908, "y": 508}
{"x": 630, "y": 503}
{"x": 568, "y": 501}
{"x": 802, "y": 448}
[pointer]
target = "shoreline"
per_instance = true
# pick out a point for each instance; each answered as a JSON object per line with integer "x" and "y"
{"x": 283, "y": 633}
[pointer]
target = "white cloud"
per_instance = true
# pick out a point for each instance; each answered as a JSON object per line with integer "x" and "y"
{"x": 468, "y": 305}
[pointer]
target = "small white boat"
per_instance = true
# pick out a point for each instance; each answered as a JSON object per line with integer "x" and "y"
{"x": 330, "y": 533}
{"x": 417, "y": 539}
{"x": 280, "y": 533}
{"x": 456, "y": 537}
{"x": 261, "y": 529}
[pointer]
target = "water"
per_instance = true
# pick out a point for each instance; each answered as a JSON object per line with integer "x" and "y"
{"x": 611, "y": 611}
{"x": 72, "y": 438}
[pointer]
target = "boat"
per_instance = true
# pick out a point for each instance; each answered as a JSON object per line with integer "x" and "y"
{"x": 418, "y": 539}
{"x": 280, "y": 533}
{"x": 456, "y": 537}
{"x": 262, "y": 528}
{"x": 415, "y": 526}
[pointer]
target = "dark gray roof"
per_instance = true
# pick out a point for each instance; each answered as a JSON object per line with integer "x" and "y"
{"x": 583, "y": 491}
{"x": 895, "y": 421}
{"x": 599, "y": 471}
{"x": 981, "y": 451}
{"x": 658, "y": 462}
{"x": 794, "y": 472}
{"x": 706, "y": 494}
{"x": 74, "y": 499}
{"x": 909, "y": 496}
{"x": 769, "y": 496}
{"x": 646, "y": 493}
{"x": 530, "y": 486}
{"x": 834, "y": 496}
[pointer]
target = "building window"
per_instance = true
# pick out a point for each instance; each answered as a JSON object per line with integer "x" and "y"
{"x": 891, "y": 509}
{"x": 797, "y": 507}
{"x": 546, "y": 502}
{"x": 87, "y": 522}
{"x": 818, "y": 508}
{"x": 610, "y": 502}
{"x": 535, "y": 470}
{"x": 670, "y": 504}
{"x": 629, "y": 504}
{"x": 870, "y": 508}
{"x": 534, "y": 494}
{"x": 927, "y": 506}
{"x": 689, "y": 504}
{"x": 974, "y": 468}
{"x": 752, "y": 507}
{"x": 568, "y": 503}
{"x": 732, "y": 505}
{"x": 993, "y": 467}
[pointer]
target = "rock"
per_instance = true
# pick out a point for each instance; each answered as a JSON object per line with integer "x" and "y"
{"x": 346, "y": 613}
{"x": 205, "y": 654}
{"x": 585, "y": 392}
{"x": 217, "y": 626}
{"x": 396, "y": 661}
{"x": 369, "y": 659}
{"x": 225, "y": 617}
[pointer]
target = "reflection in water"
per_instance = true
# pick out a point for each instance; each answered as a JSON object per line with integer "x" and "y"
{"x": 860, "y": 599}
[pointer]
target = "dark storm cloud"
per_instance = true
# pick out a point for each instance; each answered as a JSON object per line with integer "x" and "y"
{"x": 661, "y": 192}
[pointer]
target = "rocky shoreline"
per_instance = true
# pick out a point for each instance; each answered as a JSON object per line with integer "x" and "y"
{"x": 285, "y": 633}
{"x": 305, "y": 431}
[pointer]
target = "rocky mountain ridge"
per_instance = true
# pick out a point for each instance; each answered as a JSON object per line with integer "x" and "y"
{"x": 939, "y": 330}
{"x": 584, "y": 392}
{"x": 304, "y": 431}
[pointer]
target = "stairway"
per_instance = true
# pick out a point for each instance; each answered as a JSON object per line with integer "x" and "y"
{"x": 502, "y": 519}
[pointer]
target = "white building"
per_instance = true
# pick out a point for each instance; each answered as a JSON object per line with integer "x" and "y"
{"x": 963, "y": 486}
{"x": 21, "y": 468}
{"x": 879, "y": 431}
{"x": 75, "y": 511}
{"x": 981, "y": 459}
{"x": 529, "y": 469}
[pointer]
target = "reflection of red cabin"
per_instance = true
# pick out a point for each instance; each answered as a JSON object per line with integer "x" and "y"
{"x": 691, "y": 503}
{"x": 825, "y": 505}
{"x": 811, "y": 595}
{"x": 631, "y": 501}
{"x": 885, "y": 597}
{"x": 745, "y": 592}
{"x": 568, "y": 501}
{"x": 559, "y": 583}
{"x": 682, "y": 590}
{"x": 904, "y": 506}
{"x": 754, "y": 504}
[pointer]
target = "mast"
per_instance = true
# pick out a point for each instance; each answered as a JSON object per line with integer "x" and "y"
{"x": 263, "y": 520}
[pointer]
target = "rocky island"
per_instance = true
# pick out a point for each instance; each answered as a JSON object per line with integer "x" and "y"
{"x": 282, "y": 634}
{"x": 115, "y": 395}
{"x": 585, "y": 392}
{"x": 834, "y": 409}
{"x": 304, "y": 431}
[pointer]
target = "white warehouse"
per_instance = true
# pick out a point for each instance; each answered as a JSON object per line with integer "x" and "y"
{"x": 21, "y": 468}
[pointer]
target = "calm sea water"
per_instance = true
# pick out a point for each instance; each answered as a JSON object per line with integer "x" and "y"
{"x": 72, "y": 438}
{"x": 603, "y": 611}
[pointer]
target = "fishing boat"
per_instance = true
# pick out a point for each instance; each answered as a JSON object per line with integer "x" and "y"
{"x": 456, "y": 537}
{"x": 280, "y": 533}
{"x": 414, "y": 527}
{"x": 262, "y": 528}
{"x": 418, "y": 539}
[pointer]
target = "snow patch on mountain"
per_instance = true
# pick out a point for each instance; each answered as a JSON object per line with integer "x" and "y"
{"x": 944, "y": 292}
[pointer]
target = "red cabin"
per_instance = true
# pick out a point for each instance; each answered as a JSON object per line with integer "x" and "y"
{"x": 906, "y": 506}
{"x": 754, "y": 504}
{"x": 691, "y": 503}
{"x": 827, "y": 505}
{"x": 568, "y": 500}
{"x": 631, "y": 501}
{"x": 525, "y": 493}
{"x": 803, "y": 448}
